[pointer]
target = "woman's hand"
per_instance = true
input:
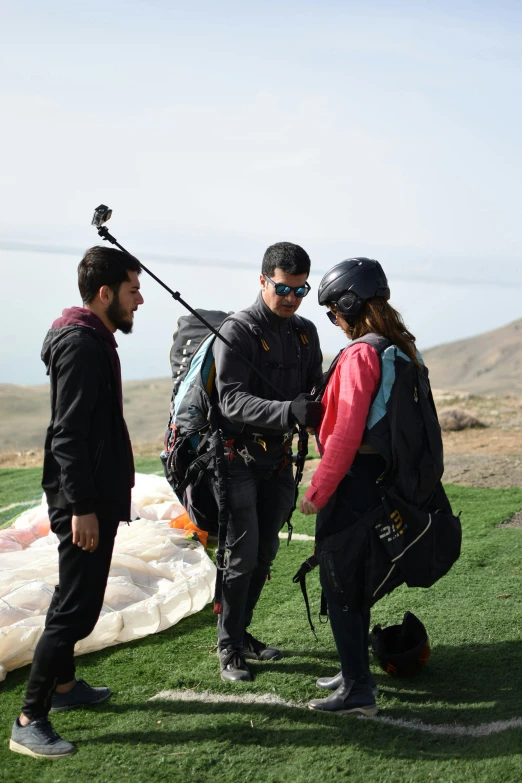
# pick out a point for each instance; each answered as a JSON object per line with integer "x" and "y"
{"x": 307, "y": 507}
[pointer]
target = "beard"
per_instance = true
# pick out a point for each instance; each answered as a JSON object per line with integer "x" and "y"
{"x": 119, "y": 317}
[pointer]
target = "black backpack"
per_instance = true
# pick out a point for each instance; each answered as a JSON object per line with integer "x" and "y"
{"x": 412, "y": 537}
{"x": 186, "y": 340}
{"x": 193, "y": 457}
{"x": 192, "y": 443}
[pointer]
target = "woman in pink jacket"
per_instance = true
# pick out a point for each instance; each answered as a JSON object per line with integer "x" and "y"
{"x": 344, "y": 485}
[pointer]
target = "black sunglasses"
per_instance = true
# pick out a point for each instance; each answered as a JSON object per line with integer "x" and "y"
{"x": 282, "y": 289}
{"x": 332, "y": 317}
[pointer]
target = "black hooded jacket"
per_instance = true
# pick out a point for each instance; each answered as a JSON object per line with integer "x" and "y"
{"x": 88, "y": 464}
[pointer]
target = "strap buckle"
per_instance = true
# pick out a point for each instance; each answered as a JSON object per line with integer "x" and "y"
{"x": 223, "y": 560}
{"x": 258, "y": 438}
{"x": 247, "y": 457}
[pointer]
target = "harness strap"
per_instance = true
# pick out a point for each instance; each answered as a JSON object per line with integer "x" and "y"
{"x": 302, "y": 451}
{"x": 323, "y": 610}
{"x": 300, "y": 578}
{"x": 199, "y": 464}
{"x": 222, "y": 553}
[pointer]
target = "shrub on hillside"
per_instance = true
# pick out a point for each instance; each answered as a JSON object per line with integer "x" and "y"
{"x": 455, "y": 419}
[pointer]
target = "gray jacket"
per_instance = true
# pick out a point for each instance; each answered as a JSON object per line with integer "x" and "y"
{"x": 293, "y": 362}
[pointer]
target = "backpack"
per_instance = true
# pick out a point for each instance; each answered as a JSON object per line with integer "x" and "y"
{"x": 186, "y": 340}
{"x": 412, "y": 537}
{"x": 194, "y": 450}
{"x": 191, "y": 445}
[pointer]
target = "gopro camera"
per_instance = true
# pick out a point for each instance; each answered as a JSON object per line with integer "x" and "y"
{"x": 101, "y": 215}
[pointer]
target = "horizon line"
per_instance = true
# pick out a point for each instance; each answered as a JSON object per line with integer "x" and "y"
{"x": 28, "y": 247}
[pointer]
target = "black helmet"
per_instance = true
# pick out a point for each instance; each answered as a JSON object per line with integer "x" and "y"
{"x": 350, "y": 283}
{"x": 401, "y": 650}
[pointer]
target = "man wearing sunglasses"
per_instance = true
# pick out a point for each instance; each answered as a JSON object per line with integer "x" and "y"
{"x": 257, "y": 423}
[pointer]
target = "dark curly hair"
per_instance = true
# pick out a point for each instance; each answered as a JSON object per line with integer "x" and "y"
{"x": 104, "y": 266}
{"x": 289, "y": 258}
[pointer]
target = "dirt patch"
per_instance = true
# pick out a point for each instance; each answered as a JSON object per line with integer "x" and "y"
{"x": 21, "y": 459}
{"x": 490, "y": 457}
{"x": 515, "y": 521}
{"x": 482, "y": 470}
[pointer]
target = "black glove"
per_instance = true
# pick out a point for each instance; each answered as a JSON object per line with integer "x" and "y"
{"x": 306, "y": 410}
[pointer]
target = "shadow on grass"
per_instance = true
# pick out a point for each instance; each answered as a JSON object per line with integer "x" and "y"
{"x": 470, "y": 685}
{"x": 267, "y": 726}
{"x": 465, "y": 685}
{"x": 467, "y": 674}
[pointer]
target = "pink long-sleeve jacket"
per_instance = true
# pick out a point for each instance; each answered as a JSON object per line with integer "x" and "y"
{"x": 346, "y": 402}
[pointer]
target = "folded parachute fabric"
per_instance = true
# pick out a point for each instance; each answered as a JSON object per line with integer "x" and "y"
{"x": 157, "y": 577}
{"x": 152, "y": 498}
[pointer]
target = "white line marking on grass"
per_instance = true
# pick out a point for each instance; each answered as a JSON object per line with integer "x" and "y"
{"x": 224, "y": 698}
{"x": 269, "y": 699}
{"x": 23, "y": 503}
{"x": 453, "y": 729}
{"x": 298, "y": 536}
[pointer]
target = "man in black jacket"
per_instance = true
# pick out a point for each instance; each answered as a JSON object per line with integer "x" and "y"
{"x": 87, "y": 477}
{"x": 257, "y": 425}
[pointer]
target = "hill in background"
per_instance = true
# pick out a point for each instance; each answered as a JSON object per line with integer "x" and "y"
{"x": 24, "y": 412}
{"x": 490, "y": 363}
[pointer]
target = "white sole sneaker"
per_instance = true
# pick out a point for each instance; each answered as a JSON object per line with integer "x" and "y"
{"x": 17, "y": 748}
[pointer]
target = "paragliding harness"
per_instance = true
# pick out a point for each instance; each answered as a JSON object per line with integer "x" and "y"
{"x": 412, "y": 536}
{"x": 196, "y": 450}
{"x": 202, "y": 452}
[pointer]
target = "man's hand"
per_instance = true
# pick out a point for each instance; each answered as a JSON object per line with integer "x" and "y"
{"x": 306, "y": 410}
{"x": 307, "y": 507}
{"x": 85, "y": 532}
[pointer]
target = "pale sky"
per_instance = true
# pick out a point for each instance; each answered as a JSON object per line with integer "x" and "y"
{"x": 213, "y": 129}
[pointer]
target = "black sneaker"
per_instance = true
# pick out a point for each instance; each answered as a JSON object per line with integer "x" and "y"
{"x": 39, "y": 740}
{"x": 233, "y": 666}
{"x": 255, "y": 650}
{"x": 80, "y": 695}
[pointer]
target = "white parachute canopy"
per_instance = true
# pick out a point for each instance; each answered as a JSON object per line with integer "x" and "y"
{"x": 157, "y": 576}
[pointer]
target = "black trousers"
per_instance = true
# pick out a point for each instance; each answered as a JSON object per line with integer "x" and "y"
{"x": 73, "y": 612}
{"x": 355, "y": 495}
{"x": 259, "y": 502}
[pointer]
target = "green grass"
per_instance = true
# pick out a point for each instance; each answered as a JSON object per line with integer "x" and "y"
{"x": 473, "y": 677}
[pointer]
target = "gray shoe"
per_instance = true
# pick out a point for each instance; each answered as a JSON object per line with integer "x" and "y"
{"x": 39, "y": 740}
{"x": 255, "y": 650}
{"x": 332, "y": 683}
{"x": 233, "y": 666}
{"x": 350, "y": 698}
{"x": 80, "y": 695}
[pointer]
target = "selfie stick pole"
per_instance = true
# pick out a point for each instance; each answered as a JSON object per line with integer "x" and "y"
{"x": 107, "y": 236}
